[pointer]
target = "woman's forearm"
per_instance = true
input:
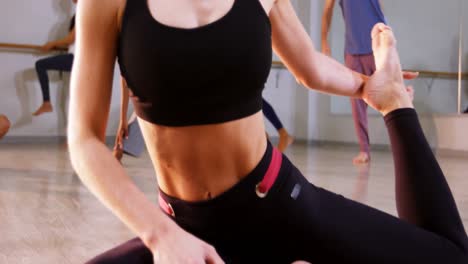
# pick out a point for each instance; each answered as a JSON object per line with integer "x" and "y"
{"x": 332, "y": 77}
{"x": 61, "y": 43}
{"x": 124, "y": 100}
{"x": 66, "y": 41}
{"x": 107, "y": 180}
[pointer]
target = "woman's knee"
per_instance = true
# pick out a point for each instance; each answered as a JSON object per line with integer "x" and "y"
{"x": 4, "y": 125}
{"x": 130, "y": 252}
{"x": 39, "y": 64}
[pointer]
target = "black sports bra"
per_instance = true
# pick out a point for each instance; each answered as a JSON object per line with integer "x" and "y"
{"x": 206, "y": 75}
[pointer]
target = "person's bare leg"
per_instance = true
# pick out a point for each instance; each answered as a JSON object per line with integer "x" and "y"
{"x": 361, "y": 159}
{"x": 46, "y": 107}
{"x": 359, "y": 111}
{"x": 284, "y": 139}
{"x": 4, "y": 125}
{"x": 385, "y": 90}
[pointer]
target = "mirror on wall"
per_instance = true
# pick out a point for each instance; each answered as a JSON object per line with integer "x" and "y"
{"x": 464, "y": 57}
{"x": 433, "y": 39}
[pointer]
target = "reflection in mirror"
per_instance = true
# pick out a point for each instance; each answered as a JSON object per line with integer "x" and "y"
{"x": 429, "y": 41}
{"x": 361, "y": 185}
{"x": 464, "y": 57}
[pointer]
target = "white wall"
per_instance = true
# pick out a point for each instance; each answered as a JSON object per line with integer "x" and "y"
{"x": 36, "y": 22}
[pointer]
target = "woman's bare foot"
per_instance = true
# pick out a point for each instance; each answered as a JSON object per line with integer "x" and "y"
{"x": 46, "y": 107}
{"x": 361, "y": 158}
{"x": 284, "y": 139}
{"x": 384, "y": 90}
{"x": 4, "y": 125}
{"x": 118, "y": 153}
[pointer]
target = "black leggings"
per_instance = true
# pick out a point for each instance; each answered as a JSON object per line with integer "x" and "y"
{"x": 62, "y": 62}
{"x": 271, "y": 115}
{"x": 299, "y": 221}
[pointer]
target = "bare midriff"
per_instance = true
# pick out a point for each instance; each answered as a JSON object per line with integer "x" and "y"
{"x": 197, "y": 163}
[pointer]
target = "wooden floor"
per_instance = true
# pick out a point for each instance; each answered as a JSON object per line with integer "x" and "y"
{"x": 47, "y": 216}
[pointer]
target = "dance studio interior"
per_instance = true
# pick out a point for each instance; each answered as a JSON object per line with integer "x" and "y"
{"x": 76, "y": 139}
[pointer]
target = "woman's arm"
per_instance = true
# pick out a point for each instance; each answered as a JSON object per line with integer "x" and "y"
{"x": 64, "y": 42}
{"x": 91, "y": 85}
{"x": 122, "y": 131}
{"x": 123, "y": 101}
{"x": 311, "y": 68}
{"x": 326, "y": 22}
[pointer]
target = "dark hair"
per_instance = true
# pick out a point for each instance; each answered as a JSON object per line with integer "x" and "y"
{"x": 72, "y": 24}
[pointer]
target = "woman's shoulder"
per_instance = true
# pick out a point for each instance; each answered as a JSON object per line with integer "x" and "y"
{"x": 105, "y": 7}
{"x": 106, "y": 10}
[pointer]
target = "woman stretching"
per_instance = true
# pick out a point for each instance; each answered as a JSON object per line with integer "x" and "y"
{"x": 196, "y": 70}
{"x": 62, "y": 62}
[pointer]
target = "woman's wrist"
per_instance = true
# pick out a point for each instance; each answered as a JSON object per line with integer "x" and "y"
{"x": 152, "y": 237}
{"x": 398, "y": 100}
{"x": 362, "y": 81}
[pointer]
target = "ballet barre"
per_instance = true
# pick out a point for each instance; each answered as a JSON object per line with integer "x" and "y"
{"x": 422, "y": 73}
{"x": 441, "y": 75}
{"x": 26, "y": 46}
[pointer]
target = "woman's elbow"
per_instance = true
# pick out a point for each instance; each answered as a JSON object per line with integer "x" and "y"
{"x": 74, "y": 141}
{"x": 77, "y": 141}
{"x": 310, "y": 74}
{"x": 311, "y": 81}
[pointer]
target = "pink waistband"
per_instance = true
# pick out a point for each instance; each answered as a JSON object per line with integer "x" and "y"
{"x": 262, "y": 187}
